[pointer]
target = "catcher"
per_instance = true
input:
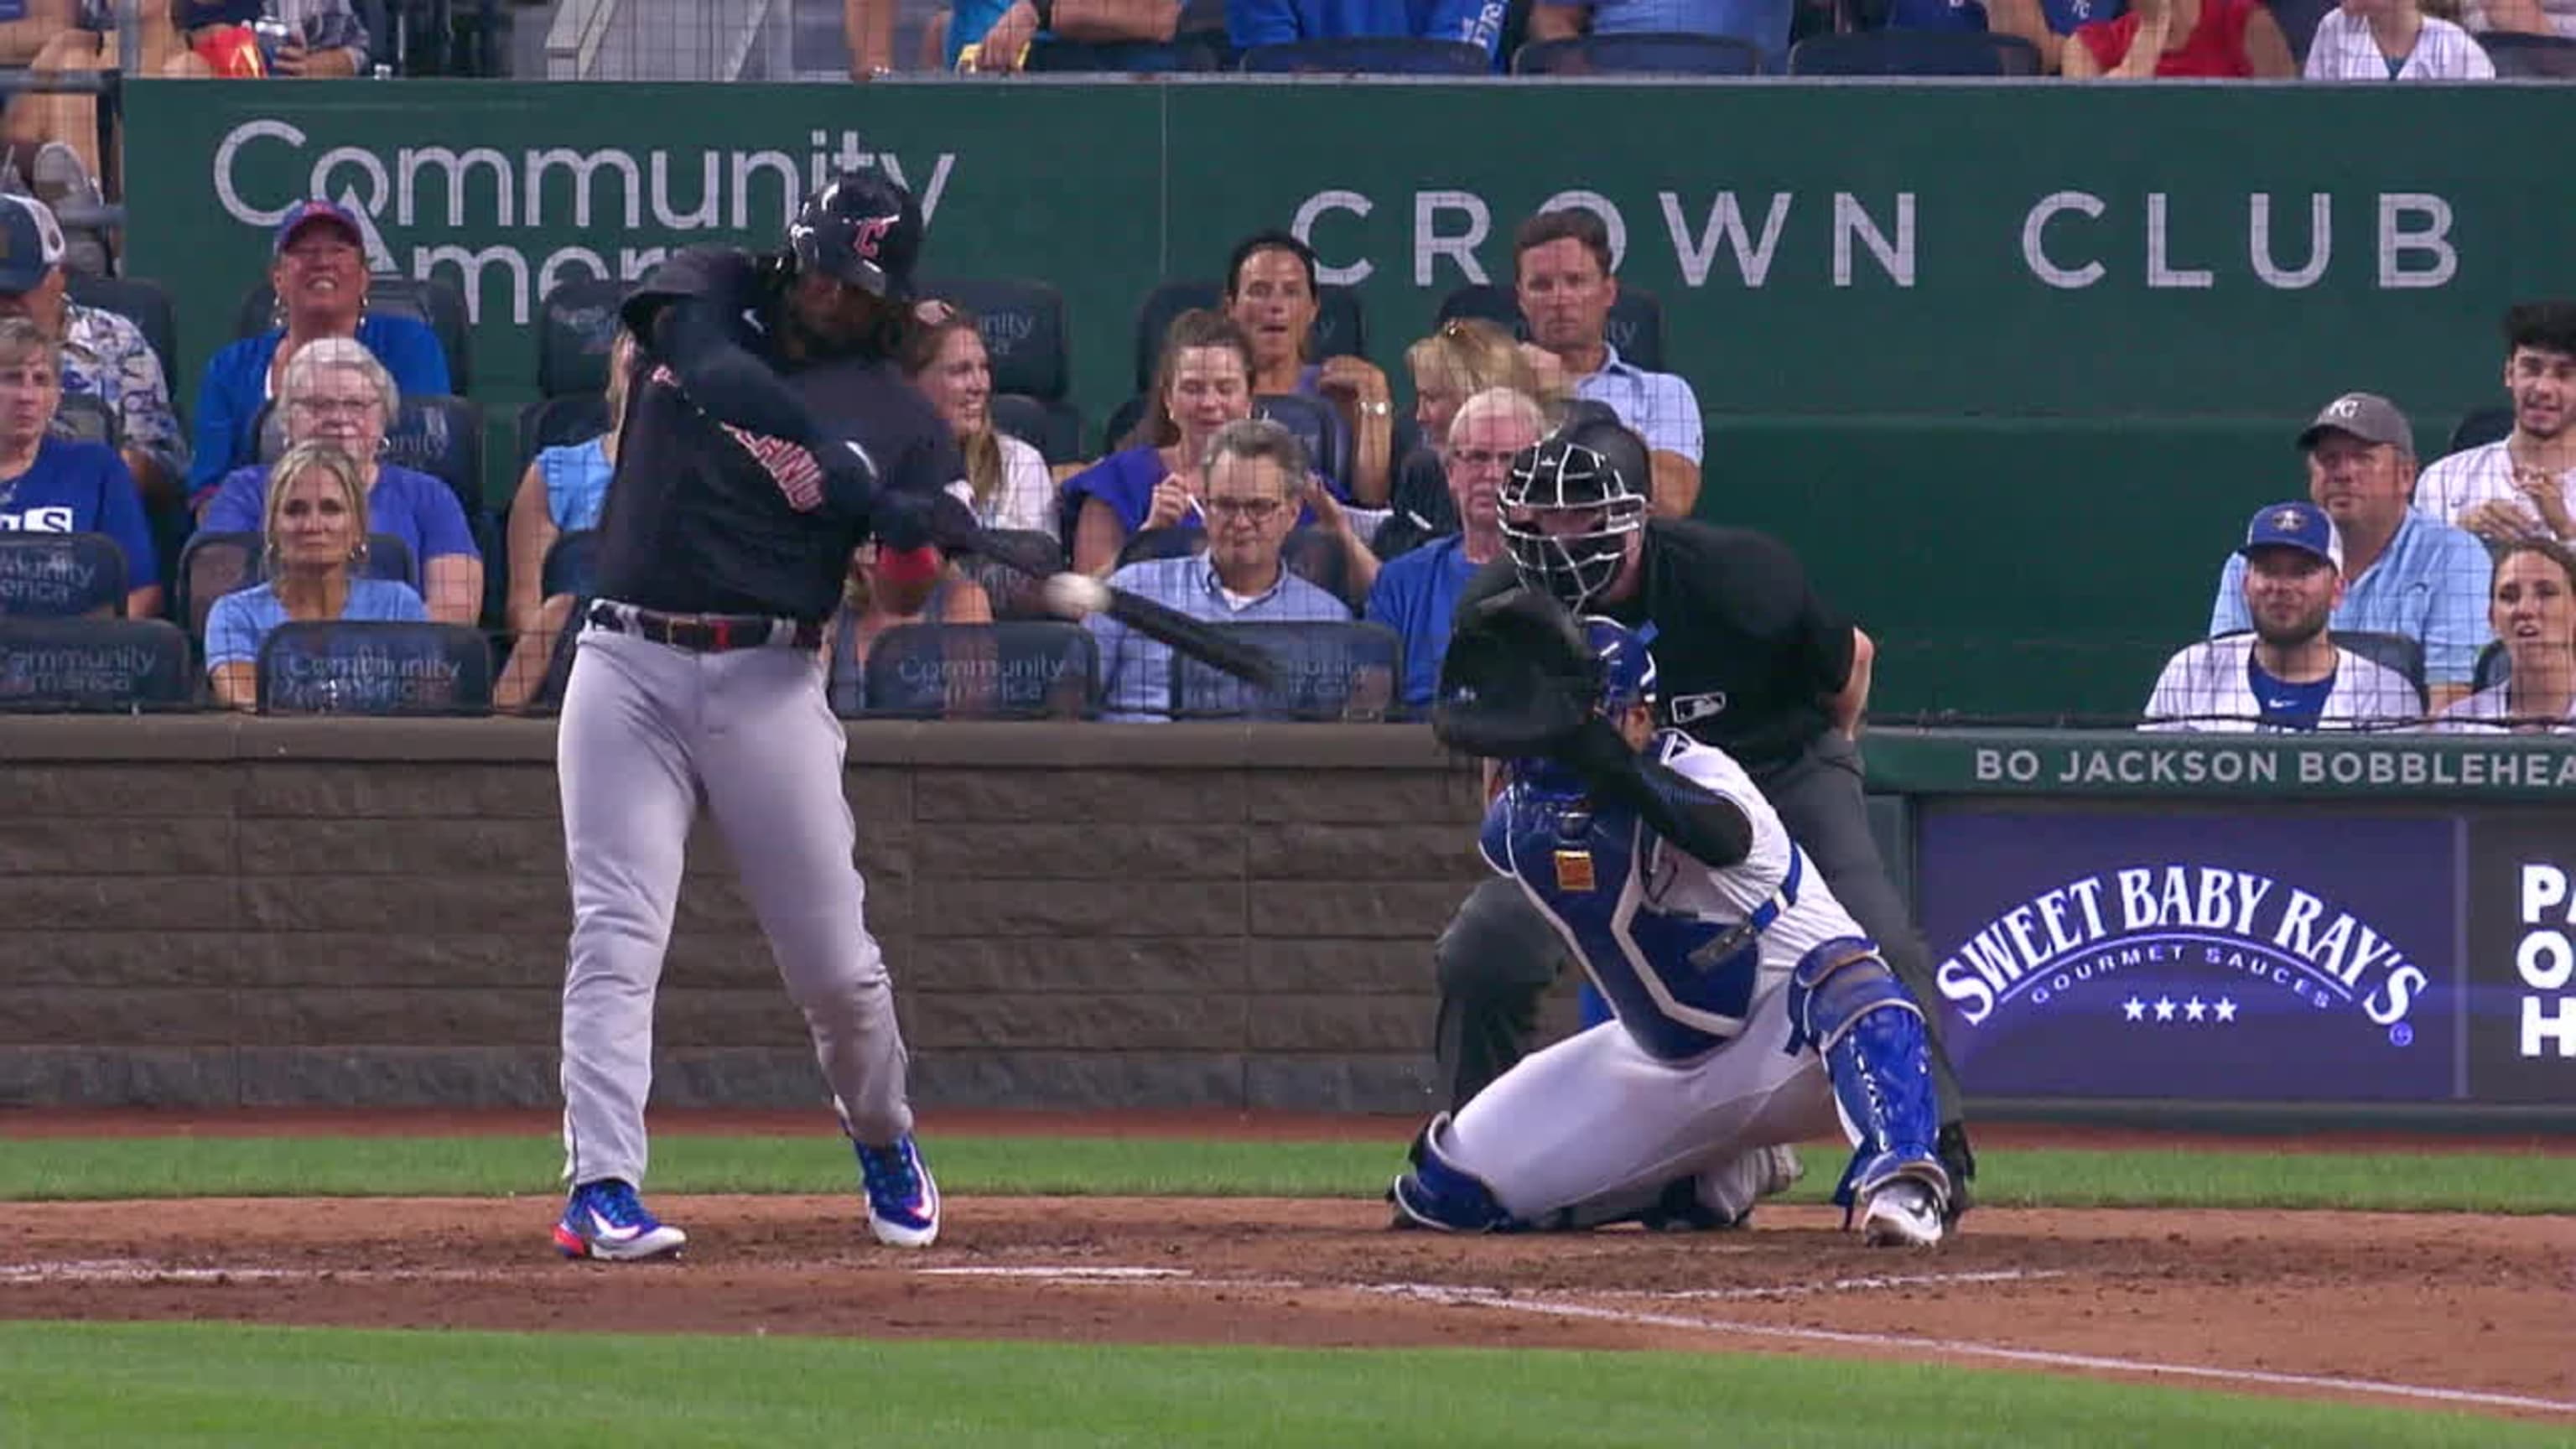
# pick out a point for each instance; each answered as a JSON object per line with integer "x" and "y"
{"x": 1749, "y": 1008}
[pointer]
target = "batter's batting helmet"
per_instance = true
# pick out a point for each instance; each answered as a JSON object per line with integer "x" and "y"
{"x": 1567, "y": 513}
{"x": 862, "y": 229}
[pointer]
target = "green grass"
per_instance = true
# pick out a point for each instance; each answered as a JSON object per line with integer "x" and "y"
{"x": 39, "y": 1168}
{"x": 172, "y": 1385}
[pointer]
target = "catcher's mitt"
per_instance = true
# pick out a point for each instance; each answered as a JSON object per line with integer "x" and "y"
{"x": 1519, "y": 680}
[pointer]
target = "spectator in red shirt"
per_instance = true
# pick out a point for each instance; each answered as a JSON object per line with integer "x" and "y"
{"x": 2213, "y": 39}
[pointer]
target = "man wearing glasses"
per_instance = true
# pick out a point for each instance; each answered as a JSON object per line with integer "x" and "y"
{"x": 1417, "y": 591}
{"x": 1249, "y": 489}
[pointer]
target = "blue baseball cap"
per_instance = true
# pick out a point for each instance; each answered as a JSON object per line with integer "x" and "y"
{"x": 2297, "y": 524}
{"x": 305, "y": 213}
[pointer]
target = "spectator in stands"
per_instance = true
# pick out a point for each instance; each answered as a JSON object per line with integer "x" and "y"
{"x": 1253, "y": 477}
{"x": 1276, "y": 22}
{"x": 2210, "y": 39}
{"x": 562, "y": 492}
{"x": 2533, "y": 611}
{"x": 1762, "y": 23}
{"x": 320, "y": 274}
{"x": 2403, "y": 573}
{"x": 1272, "y": 294}
{"x": 2526, "y": 17}
{"x": 994, "y": 35}
{"x": 1466, "y": 356}
{"x": 56, "y": 485}
{"x": 1007, "y": 483}
{"x": 325, "y": 39}
{"x": 2392, "y": 40}
{"x": 1202, "y": 383}
{"x": 1561, "y": 267}
{"x": 104, "y": 355}
{"x": 336, "y": 393}
{"x": 314, "y": 533}
{"x": 2524, "y": 486}
{"x": 2286, "y": 674}
{"x": 954, "y": 599}
{"x": 1416, "y": 594}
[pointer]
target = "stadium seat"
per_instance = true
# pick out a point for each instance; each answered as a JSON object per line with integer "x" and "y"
{"x": 1644, "y": 54}
{"x": 435, "y": 301}
{"x": 1019, "y": 669}
{"x": 1367, "y": 55}
{"x": 2481, "y": 427}
{"x": 305, "y": 667}
{"x": 1014, "y": 595}
{"x": 1318, "y": 426}
{"x": 1166, "y": 542}
{"x": 2494, "y": 667}
{"x": 85, "y": 418}
{"x": 2298, "y": 21}
{"x": 2530, "y": 57}
{"x": 1053, "y": 428}
{"x": 2401, "y": 652}
{"x": 61, "y": 576}
{"x": 1121, "y": 421}
{"x": 212, "y": 565}
{"x": 1023, "y": 324}
{"x": 1180, "y": 54}
{"x": 443, "y": 437}
{"x": 1319, "y": 558}
{"x": 1328, "y": 670}
{"x": 576, "y": 322}
{"x": 94, "y": 665}
{"x": 572, "y": 564}
{"x": 147, "y": 305}
{"x": 1915, "y": 52}
{"x": 557, "y": 422}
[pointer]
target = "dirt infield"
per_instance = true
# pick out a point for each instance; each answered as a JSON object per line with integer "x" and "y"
{"x": 2474, "y": 1313}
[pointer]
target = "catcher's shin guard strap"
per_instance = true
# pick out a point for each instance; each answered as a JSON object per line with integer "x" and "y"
{"x": 1845, "y": 1003}
{"x": 1439, "y": 1194}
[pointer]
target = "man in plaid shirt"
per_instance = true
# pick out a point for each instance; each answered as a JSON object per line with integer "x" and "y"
{"x": 105, "y": 355}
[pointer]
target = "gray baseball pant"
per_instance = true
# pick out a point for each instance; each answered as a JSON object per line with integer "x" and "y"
{"x": 647, "y": 733}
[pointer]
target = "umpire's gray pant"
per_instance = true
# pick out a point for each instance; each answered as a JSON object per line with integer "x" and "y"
{"x": 1498, "y": 955}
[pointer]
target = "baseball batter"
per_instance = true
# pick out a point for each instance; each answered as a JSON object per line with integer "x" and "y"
{"x": 768, "y": 433}
{"x": 1749, "y": 1009}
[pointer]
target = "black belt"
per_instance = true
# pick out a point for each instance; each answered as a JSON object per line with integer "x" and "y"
{"x": 705, "y": 633}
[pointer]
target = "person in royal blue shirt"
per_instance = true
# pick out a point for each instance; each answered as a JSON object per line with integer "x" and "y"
{"x": 320, "y": 274}
{"x": 1274, "y": 22}
{"x": 1416, "y": 592}
{"x": 57, "y": 485}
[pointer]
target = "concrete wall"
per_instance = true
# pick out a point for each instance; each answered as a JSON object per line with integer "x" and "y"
{"x": 212, "y": 911}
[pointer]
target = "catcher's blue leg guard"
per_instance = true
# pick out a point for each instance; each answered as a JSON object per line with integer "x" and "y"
{"x": 1439, "y": 1195}
{"x": 1845, "y": 1003}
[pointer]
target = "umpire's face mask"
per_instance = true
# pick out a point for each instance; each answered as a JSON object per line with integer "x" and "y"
{"x": 1572, "y": 553}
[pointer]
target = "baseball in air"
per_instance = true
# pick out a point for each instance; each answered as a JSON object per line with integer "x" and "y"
{"x": 1075, "y": 595}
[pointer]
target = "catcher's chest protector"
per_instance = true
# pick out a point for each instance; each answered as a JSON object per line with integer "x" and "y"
{"x": 1680, "y": 984}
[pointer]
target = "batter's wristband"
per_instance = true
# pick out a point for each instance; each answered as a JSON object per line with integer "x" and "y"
{"x": 907, "y": 566}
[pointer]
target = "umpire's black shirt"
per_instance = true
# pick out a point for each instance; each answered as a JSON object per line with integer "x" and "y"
{"x": 702, "y": 518}
{"x": 1745, "y": 653}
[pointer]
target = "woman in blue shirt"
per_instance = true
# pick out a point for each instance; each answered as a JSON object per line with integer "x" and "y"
{"x": 314, "y": 532}
{"x": 320, "y": 275}
{"x": 336, "y": 393}
{"x": 563, "y": 491}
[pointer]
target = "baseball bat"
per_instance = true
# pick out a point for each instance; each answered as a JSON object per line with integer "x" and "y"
{"x": 1196, "y": 638}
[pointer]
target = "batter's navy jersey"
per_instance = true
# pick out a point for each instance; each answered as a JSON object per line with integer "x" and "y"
{"x": 704, "y": 517}
{"x": 1745, "y": 653}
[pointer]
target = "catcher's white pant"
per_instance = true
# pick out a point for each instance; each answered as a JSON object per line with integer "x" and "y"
{"x": 646, "y": 730}
{"x": 1595, "y": 1123}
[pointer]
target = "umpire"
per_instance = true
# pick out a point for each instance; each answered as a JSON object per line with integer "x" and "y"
{"x": 1750, "y": 661}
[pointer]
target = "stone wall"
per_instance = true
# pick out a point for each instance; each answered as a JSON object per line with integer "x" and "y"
{"x": 218, "y": 910}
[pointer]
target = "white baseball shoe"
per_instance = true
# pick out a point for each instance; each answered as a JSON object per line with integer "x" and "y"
{"x": 1903, "y": 1213}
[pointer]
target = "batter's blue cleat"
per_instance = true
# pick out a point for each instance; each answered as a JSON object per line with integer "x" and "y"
{"x": 903, "y": 1203}
{"x": 606, "y": 1220}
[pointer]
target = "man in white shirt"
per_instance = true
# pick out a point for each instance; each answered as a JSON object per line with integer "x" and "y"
{"x": 2287, "y": 674}
{"x": 1562, "y": 280}
{"x": 2392, "y": 40}
{"x": 2524, "y": 486}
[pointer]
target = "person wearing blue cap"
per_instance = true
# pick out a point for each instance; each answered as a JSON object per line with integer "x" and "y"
{"x": 320, "y": 276}
{"x": 2287, "y": 673}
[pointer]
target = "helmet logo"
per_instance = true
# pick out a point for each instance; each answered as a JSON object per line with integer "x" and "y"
{"x": 869, "y": 234}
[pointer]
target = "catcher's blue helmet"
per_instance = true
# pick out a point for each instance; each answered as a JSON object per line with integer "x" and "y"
{"x": 1627, "y": 668}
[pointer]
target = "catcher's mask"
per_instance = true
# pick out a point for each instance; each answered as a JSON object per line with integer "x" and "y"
{"x": 1567, "y": 515}
{"x": 860, "y": 228}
